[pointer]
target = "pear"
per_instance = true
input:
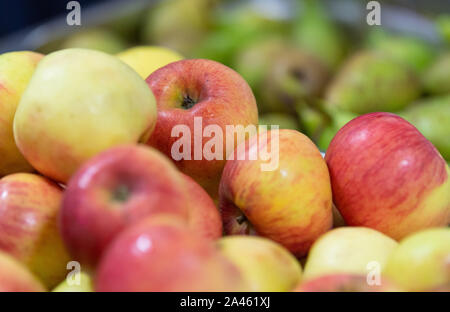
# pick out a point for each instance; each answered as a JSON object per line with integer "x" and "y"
{"x": 96, "y": 39}
{"x": 437, "y": 78}
{"x": 411, "y": 51}
{"x": 84, "y": 284}
{"x": 370, "y": 82}
{"x": 443, "y": 26}
{"x": 316, "y": 33}
{"x": 283, "y": 121}
{"x": 280, "y": 74}
{"x": 432, "y": 118}
{"x": 339, "y": 119}
{"x": 234, "y": 30}
{"x": 178, "y": 24}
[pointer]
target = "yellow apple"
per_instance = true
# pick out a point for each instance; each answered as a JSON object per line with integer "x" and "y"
{"x": 266, "y": 265}
{"x": 16, "y": 69}
{"x": 146, "y": 59}
{"x": 356, "y": 250}
{"x": 78, "y": 103}
{"x": 421, "y": 262}
{"x": 84, "y": 285}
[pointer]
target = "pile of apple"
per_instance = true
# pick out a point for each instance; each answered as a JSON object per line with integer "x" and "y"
{"x": 88, "y": 178}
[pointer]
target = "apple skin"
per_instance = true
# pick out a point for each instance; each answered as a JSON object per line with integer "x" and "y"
{"x": 114, "y": 189}
{"x": 387, "y": 176}
{"x": 165, "y": 256}
{"x": 422, "y": 261}
{"x": 78, "y": 103}
{"x": 16, "y": 69}
{"x": 344, "y": 283}
{"x": 29, "y": 209}
{"x": 146, "y": 59}
{"x": 348, "y": 250}
{"x": 204, "y": 216}
{"x": 222, "y": 98}
{"x": 290, "y": 205}
{"x": 14, "y": 277}
{"x": 266, "y": 265}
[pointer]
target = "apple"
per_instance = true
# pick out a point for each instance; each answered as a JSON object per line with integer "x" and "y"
{"x": 84, "y": 285}
{"x": 14, "y": 277}
{"x": 210, "y": 92}
{"x": 288, "y": 202}
{"x": 146, "y": 59}
{"x": 204, "y": 216}
{"x": 16, "y": 69}
{"x": 386, "y": 175}
{"x": 344, "y": 282}
{"x": 355, "y": 250}
{"x": 116, "y": 188}
{"x": 266, "y": 265}
{"x": 99, "y": 39}
{"x": 79, "y": 103}
{"x": 421, "y": 262}
{"x": 29, "y": 209}
{"x": 161, "y": 254}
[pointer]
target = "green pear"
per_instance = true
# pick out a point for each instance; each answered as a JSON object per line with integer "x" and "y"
{"x": 280, "y": 74}
{"x": 234, "y": 30}
{"x": 84, "y": 285}
{"x": 432, "y": 118}
{"x": 437, "y": 78}
{"x": 178, "y": 24}
{"x": 443, "y": 26}
{"x": 266, "y": 265}
{"x": 370, "y": 82}
{"x": 96, "y": 39}
{"x": 412, "y": 51}
{"x": 421, "y": 262}
{"x": 319, "y": 35}
{"x": 283, "y": 121}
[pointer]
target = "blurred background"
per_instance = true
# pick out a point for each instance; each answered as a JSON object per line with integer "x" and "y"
{"x": 313, "y": 65}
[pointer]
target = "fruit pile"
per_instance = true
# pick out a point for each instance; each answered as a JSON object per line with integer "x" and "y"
{"x": 117, "y": 172}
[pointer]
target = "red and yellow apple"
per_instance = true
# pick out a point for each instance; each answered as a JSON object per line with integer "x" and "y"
{"x": 264, "y": 264}
{"x": 421, "y": 262}
{"x": 386, "y": 175}
{"x": 29, "y": 209}
{"x": 349, "y": 250}
{"x": 78, "y": 103}
{"x": 344, "y": 282}
{"x": 210, "y": 91}
{"x": 118, "y": 187}
{"x": 289, "y": 201}
{"x": 14, "y": 277}
{"x": 16, "y": 69}
{"x": 161, "y": 254}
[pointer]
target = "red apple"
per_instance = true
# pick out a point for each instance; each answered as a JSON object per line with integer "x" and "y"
{"x": 113, "y": 189}
{"x": 344, "y": 283}
{"x": 204, "y": 216}
{"x": 14, "y": 277}
{"x": 29, "y": 209}
{"x": 290, "y": 204}
{"x": 162, "y": 254}
{"x": 200, "y": 88}
{"x": 386, "y": 175}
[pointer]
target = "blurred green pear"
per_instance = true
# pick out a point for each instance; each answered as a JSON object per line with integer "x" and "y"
{"x": 370, "y": 82}
{"x": 316, "y": 33}
{"x": 432, "y": 118}
{"x": 412, "y": 51}
{"x": 443, "y": 26}
{"x": 178, "y": 24}
{"x": 339, "y": 119}
{"x": 96, "y": 39}
{"x": 437, "y": 78}
{"x": 280, "y": 74}
{"x": 283, "y": 121}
